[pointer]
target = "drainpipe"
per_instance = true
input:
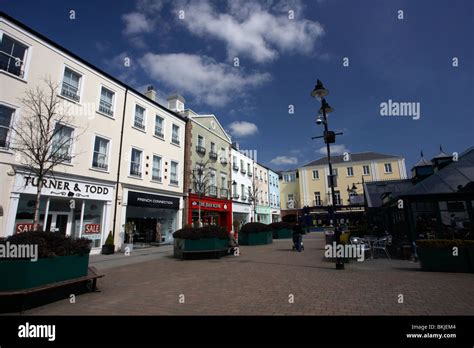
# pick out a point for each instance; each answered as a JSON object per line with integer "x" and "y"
{"x": 119, "y": 165}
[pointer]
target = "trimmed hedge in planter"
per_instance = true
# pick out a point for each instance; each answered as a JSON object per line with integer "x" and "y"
{"x": 255, "y": 233}
{"x": 25, "y": 274}
{"x": 437, "y": 255}
{"x": 60, "y": 258}
{"x": 282, "y": 230}
{"x": 208, "y": 239}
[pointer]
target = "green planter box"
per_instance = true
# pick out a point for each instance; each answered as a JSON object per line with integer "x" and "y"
{"x": 25, "y": 274}
{"x": 282, "y": 234}
{"x": 442, "y": 259}
{"x": 182, "y": 246}
{"x": 259, "y": 238}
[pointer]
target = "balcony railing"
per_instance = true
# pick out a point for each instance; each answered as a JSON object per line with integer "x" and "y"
{"x": 175, "y": 139}
{"x": 224, "y": 192}
{"x": 69, "y": 91}
{"x": 235, "y": 196}
{"x": 138, "y": 123}
{"x": 135, "y": 169}
{"x": 213, "y": 155}
{"x": 213, "y": 191}
{"x": 159, "y": 132}
{"x": 201, "y": 149}
{"x": 156, "y": 175}
{"x": 249, "y": 173}
{"x": 223, "y": 160}
{"x": 174, "y": 181}
{"x": 243, "y": 171}
{"x": 244, "y": 197}
{"x": 317, "y": 203}
{"x": 235, "y": 167}
{"x": 106, "y": 108}
{"x": 100, "y": 161}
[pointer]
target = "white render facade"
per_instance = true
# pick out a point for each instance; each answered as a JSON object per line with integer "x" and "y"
{"x": 126, "y": 161}
{"x": 242, "y": 174}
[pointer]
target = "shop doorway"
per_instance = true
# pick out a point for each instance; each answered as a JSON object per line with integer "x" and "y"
{"x": 59, "y": 222}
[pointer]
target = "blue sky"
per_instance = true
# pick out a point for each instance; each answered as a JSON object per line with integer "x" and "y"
{"x": 280, "y": 58}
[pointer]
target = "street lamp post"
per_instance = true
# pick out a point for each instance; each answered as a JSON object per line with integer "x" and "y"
{"x": 320, "y": 92}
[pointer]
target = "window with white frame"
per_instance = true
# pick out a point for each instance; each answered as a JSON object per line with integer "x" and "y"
{"x": 289, "y": 177}
{"x": 315, "y": 174}
{"x": 291, "y": 200}
{"x": 334, "y": 171}
{"x": 242, "y": 191}
{"x": 100, "y": 158}
{"x": 317, "y": 198}
{"x": 366, "y": 170}
{"x": 12, "y": 55}
{"x": 159, "y": 121}
{"x": 337, "y": 195}
{"x": 156, "y": 169}
{"x": 350, "y": 171}
{"x": 71, "y": 84}
{"x": 174, "y": 173}
{"x": 6, "y": 119}
{"x": 136, "y": 163}
{"x": 139, "y": 119}
{"x": 62, "y": 143}
{"x": 175, "y": 134}
{"x": 106, "y": 104}
{"x": 200, "y": 141}
{"x": 388, "y": 168}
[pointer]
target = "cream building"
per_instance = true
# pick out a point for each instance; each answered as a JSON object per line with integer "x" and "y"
{"x": 126, "y": 151}
{"x": 207, "y": 145}
{"x": 309, "y": 185}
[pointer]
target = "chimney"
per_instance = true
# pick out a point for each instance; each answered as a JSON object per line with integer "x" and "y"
{"x": 150, "y": 93}
{"x": 235, "y": 145}
{"x": 176, "y": 102}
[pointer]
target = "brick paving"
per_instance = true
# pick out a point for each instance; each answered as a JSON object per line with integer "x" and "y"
{"x": 260, "y": 280}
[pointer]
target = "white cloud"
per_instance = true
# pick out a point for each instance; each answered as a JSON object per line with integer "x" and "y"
{"x": 335, "y": 150}
{"x": 137, "y": 23}
{"x": 254, "y": 29}
{"x": 242, "y": 128}
{"x": 284, "y": 160}
{"x": 200, "y": 76}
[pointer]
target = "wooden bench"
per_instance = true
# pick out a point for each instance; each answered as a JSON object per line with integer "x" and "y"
{"x": 92, "y": 275}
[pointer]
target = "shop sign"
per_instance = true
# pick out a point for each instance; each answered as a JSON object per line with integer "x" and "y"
{"x": 92, "y": 228}
{"x": 139, "y": 199}
{"x": 63, "y": 188}
{"x": 24, "y": 227}
{"x": 209, "y": 205}
{"x": 263, "y": 210}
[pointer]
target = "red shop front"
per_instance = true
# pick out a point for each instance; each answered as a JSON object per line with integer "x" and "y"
{"x": 214, "y": 211}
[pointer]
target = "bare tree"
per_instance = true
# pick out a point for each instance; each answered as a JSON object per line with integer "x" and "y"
{"x": 38, "y": 137}
{"x": 254, "y": 194}
{"x": 201, "y": 183}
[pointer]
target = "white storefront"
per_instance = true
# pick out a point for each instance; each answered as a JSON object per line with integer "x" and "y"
{"x": 241, "y": 213}
{"x": 68, "y": 205}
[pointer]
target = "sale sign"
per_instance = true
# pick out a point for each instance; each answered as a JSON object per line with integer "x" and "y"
{"x": 91, "y": 228}
{"x": 24, "y": 227}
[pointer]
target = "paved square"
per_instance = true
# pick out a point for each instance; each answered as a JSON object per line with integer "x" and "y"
{"x": 261, "y": 280}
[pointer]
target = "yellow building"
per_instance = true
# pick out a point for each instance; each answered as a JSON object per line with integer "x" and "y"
{"x": 309, "y": 185}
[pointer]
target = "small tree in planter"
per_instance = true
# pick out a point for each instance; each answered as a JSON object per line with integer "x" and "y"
{"x": 109, "y": 247}
{"x": 255, "y": 233}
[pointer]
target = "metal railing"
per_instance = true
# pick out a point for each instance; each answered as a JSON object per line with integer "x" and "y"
{"x": 175, "y": 139}
{"x": 139, "y": 124}
{"x": 69, "y": 91}
{"x": 159, "y": 132}
{"x": 135, "y": 169}
{"x": 213, "y": 191}
{"x": 100, "y": 161}
{"x": 200, "y": 149}
{"x": 223, "y": 160}
{"x": 235, "y": 167}
{"x": 106, "y": 108}
{"x": 213, "y": 155}
{"x": 224, "y": 192}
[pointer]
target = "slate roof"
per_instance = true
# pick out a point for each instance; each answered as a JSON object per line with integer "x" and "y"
{"x": 456, "y": 176}
{"x": 355, "y": 157}
{"x": 374, "y": 190}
